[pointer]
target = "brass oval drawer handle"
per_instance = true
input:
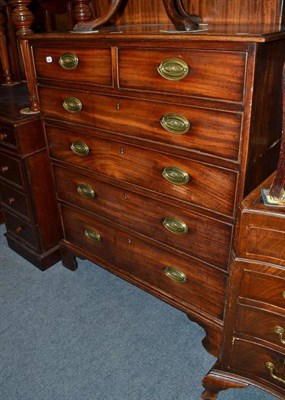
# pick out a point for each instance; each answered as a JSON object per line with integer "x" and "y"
{"x": 175, "y": 175}
{"x": 279, "y": 331}
{"x": 175, "y": 123}
{"x": 175, "y": 275}
{"x": 68, "y": 61}
{"x": 269, "y": 365}
{"x": 72, "y": 105}
{"x": 3, "y": 136}
{"x": 86, "y": 191}
{"x": 80, "y": 148}
{"x": 173, "y": 69}
{"x": 175, "y": 225}
{"x": 93, "y": 235}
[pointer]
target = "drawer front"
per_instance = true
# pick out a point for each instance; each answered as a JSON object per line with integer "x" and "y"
{"x": 22, "y": 231}
{"x": 263, "y": 287}
{"x": 212, "y": 132}
{"x": 253, "y": 360}
{"x": 263, "y": 237}
{"x": 7, "y": 137}
{"x": 205, "y": 77}
{"x": 203, "y": 290}
{"x": 92, "y": 66}
{"x": 188, "y": 232}
{"x": 10, "y": 169}
{"x": 261, "y": 324}
{"x": 15, "y": 200}
{"x": 155, "y": 171}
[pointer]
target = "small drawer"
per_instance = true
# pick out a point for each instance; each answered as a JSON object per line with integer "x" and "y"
{"x": 184, "y": 72}
{"x": 15, "y": 200}
{"x": 7, "y": 137}
{"x": 263, "y": 287}
{"x": 10, "y": 170}
{"x": 170, "y": 176}
{"x": 262, "y": 236}
{"x": 85, "y": 65}
{"x": 205, "y": 238}
{"x": 258, "y": 363}
{"x": 22, "y": 231}
{"x": 193, "y": 284}
{"x": 206, "y": 131}
{"x": 258, "y": 323}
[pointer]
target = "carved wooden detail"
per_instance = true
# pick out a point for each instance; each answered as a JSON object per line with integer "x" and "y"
{"x": 22, "y": 17}
{"x": 81, "y": 11}
{"x": 179, "y": 16}
{"x": 175, "y": 10}
{"x": 115, "y": 10}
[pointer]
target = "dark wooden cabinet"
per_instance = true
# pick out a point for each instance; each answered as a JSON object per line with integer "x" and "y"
{"x": 253, "y": 349}
{"x": 26, "y": 186}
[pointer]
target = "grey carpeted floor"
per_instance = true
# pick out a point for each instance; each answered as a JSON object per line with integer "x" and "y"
{"x": 88, "y": 335}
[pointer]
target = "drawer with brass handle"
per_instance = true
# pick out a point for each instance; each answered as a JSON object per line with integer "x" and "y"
{"x": 184, "y": 72}
{"x": 10, "y": 170}
{"x": 201, "y": 130}
{"x": 262, "y": 324}
{"x": 206, "y": 238}
{"x": 258, "y": 362}
{"x": 92, "y": 66}
{"x": 185, "y": 279}
{"x": 183, "y": 179}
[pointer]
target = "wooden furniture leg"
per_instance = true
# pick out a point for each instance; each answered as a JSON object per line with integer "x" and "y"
{"x": 68, "y": 259}
{"x": 215, "y": 383}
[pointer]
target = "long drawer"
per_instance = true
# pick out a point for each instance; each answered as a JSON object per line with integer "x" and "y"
{"x": 200, "y": 130}
{"x": 75, "y": 64}
{"x": 204, "y": 77}
{"x": 194, "y": 234}
{"x": 199, "y": 286}
{"x": 175, "y": 177}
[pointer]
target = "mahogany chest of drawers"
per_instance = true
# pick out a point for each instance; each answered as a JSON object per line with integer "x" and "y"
{"x": 26, "y": 187}
{"x": 253, "y": 350}
{"x": 154, "y": 139}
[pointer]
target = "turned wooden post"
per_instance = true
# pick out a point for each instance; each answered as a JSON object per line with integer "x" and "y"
{"x": 22, "y": 18}
{"x": 81, "y": 11}
{"x": 115, "y": 9}
{"x": 3, "y": 49}
{"x": 277, "y": 188}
